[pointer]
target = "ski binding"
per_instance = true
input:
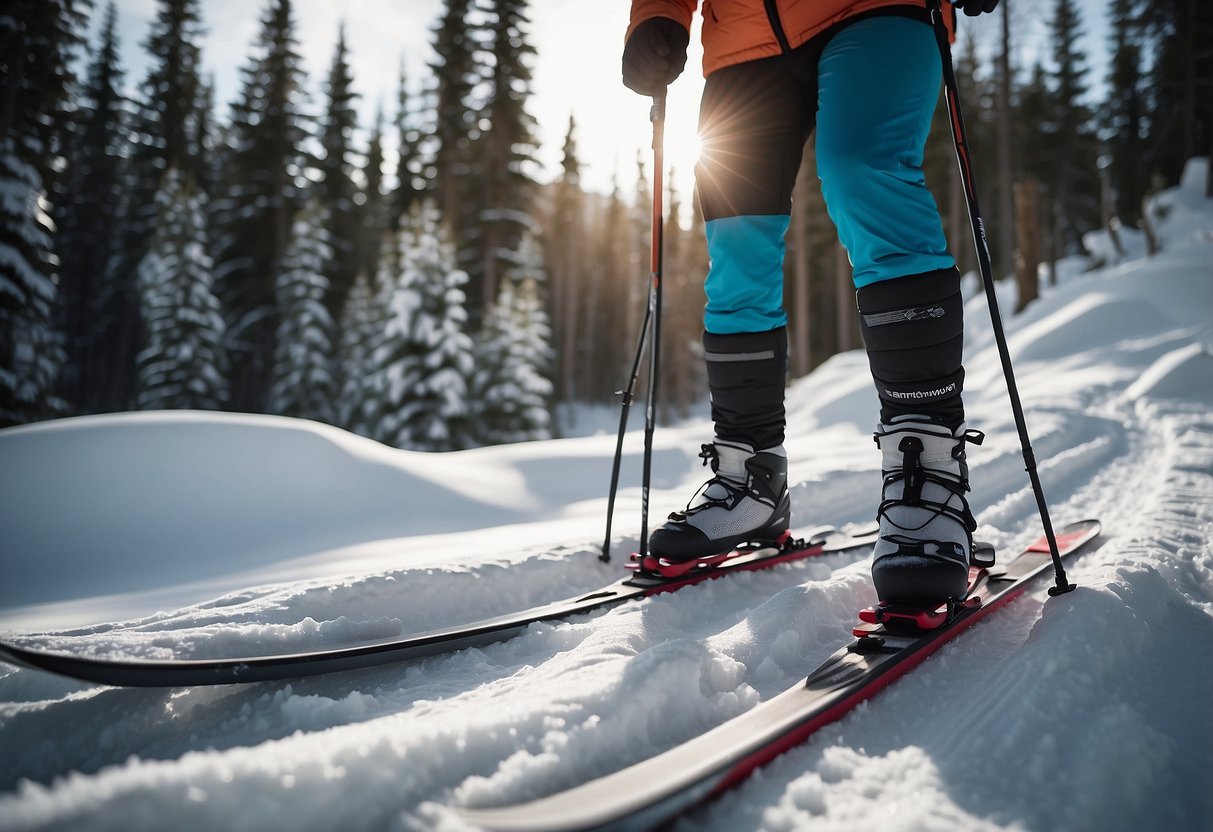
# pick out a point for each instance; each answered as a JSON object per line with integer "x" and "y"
{"x": 648, "y": 564}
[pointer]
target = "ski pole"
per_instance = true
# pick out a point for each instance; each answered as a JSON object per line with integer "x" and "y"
{"x": 657, "y": 115}
{"x": 959, "y": 138}
{"x": 652, "y": 309}
{"x": 628, "y": 394}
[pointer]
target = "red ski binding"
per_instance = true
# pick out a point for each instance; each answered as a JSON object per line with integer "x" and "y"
{"x": 678, "y": 569}
{"x": 909, "y": 618}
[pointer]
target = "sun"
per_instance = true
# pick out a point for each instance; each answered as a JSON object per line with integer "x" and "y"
{"x": 682, "y": 145}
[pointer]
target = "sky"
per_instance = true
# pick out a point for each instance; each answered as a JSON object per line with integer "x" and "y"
{"x": 576, "y": 73}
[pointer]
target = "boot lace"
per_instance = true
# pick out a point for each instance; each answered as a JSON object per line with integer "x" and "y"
{"x": 727, "y": 497}
{"x": 914, "y": 476}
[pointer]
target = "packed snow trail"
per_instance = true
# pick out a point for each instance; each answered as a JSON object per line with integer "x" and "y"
{"x": 1087, "y": 711}
{"x": 654, "y": 578}
{"x": 664, "y": 786}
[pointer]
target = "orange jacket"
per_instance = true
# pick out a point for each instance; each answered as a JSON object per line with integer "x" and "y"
{"x": 735, "y": 31}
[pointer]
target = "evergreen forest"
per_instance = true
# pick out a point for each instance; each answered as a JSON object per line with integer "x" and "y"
{"x": 268, "y": 254}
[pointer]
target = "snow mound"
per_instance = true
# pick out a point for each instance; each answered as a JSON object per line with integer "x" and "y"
{"x": 1096, "y": 321}
{"x": 136, "y": 504}
{"x": 192, "y": 494}
{"x": 1185, "y": 373}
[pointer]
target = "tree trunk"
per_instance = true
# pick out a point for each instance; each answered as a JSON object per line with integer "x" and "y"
{"x": 845, "y": 306}
{"x": 1209, "y": 170}
{"x": 1027, "y": 252}
{"x": 1006, "y": 231}
{"x": 1189, "y": 81}
{"x": 1056, "y": 243}
{"x": 1110, "y": 221}
{"x": 1147, "y": 227}
{"x": 801, "y": 290}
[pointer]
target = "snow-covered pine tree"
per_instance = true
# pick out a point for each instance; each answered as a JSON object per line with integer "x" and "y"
{"x": 89, "y": 231}
{"x": 1124, "y": 113}
{"x": 1179, "y": 106}
{"x": 37, "y": 42}
{"x": 505, "y": 153}
{"x": 169, "y": 119}
{"x": 568, "y": 265}
{"x": 166, "y": 124}
{"x": 456, "y": 186}
{"x": 372, "y": 217}
{"x": 210, "y": 166}
{"x": 366, "y": 377}
{"x": 410, "y": 172}
{"x": 1074, "y": 146}
{"x": 425, "y": 360}
{"x": 336, "y": 187}
{"x": 613, "y": 264}
{"x": 361, "y": 324}
{"x": 303, "y": 367}
{"x": 512, "y": 387}
{"x": 257, "y": 200}
{"x": 182, "y": 362}
{"x": 31, "y": 349}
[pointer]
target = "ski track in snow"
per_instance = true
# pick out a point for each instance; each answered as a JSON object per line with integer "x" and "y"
{"x": 1031, "y": 703}
{"x": 1086, "y": 711}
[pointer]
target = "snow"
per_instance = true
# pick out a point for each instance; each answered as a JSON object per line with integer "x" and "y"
{"x": 199, "y": 534}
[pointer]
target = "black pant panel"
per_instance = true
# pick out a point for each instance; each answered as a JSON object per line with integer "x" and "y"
{"x": 913, "y": 328}
{"x": 754, "y": 120}
{"x": 746, "y": 375}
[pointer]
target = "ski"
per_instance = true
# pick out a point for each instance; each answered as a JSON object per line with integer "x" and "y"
{"x": 643, "y": 583}
{"x": 656, "y": 790}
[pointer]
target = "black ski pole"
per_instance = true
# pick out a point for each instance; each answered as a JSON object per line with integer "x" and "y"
{"x": 628, "y": 393}
{"x": 1062, "y": 584}
{"x": 650, "y": 419}
{"x": 652, "y": 309}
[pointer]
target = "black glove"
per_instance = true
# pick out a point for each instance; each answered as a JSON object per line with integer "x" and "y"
{"x": 975, "y": 7}
{"x": 654, "y": 55}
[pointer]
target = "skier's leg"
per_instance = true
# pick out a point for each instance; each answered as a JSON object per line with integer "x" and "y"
{"x": 880, "y": 81}
{"x": 879, "y": 85}
{"x": 754, "y": 120}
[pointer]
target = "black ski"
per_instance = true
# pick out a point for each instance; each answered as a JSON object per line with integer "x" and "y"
{"x": 657, "y": 789}
{"x": 185, "y": 672}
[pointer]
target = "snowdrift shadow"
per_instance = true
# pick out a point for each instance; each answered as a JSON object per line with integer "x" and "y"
{"x": 133, "y": 502}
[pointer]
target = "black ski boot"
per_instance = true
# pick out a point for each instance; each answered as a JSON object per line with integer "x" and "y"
{"x": 926, "y": 528}
{"x": 746, "y": 501}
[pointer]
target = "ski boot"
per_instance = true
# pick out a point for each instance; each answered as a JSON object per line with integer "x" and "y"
{"x": 925, "y": 547}
{"x": 746, "y": 501}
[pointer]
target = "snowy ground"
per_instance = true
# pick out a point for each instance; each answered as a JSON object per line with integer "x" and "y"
{"x": 200, "y": 535}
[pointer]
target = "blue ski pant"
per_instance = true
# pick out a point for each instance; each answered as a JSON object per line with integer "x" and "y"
{"x": 870, "y": 90}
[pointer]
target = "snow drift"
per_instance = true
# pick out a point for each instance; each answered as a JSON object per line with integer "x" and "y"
{"x": 200, "y": 534}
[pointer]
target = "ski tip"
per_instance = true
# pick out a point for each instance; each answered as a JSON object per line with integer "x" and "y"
{"x": 1072, "y": 535}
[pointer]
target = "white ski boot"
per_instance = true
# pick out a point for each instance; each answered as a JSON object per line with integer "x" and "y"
{"x": 746, "y": 501}
{"x": 926, "y": 528}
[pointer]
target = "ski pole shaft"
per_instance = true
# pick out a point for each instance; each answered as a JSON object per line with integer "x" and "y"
{"x": 628, "y": 394}
{"x": 652, "y": 307}
{"x": 657, "y": 115}
{"x": 964, "y": 162}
